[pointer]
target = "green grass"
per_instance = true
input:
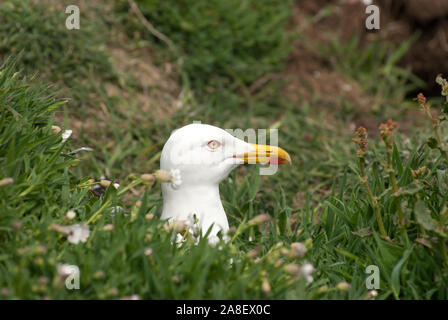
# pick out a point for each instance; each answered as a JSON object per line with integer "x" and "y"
{"x": 413, "y": 263}
{"x": 44, "y": 189}
{"x": 78, "y": 57}
{"x": 320, "y": 200}
{"x": 376, "y": 69}
{"x": 222, "y": 41}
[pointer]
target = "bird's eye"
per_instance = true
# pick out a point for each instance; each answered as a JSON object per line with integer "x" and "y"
{"x": 214, "y": 144}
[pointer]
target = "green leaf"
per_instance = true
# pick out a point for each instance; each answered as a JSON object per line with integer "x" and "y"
{"x": 432, "y": 143}
{"x": 445, "y": 108}
{"x": 362, "y": 233}
{"x": 396, "y": 272}
{"x": 409, "y": 190}
{"x": 349, "y": 255}
{"x": 423, "y": 216}
{"x": 441, "y": 181}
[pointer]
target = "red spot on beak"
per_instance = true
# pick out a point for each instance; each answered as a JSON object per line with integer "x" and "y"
{"x": 278, "y": 161}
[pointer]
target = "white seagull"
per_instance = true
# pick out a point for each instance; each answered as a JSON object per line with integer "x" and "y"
{"x": 204, "y": 155}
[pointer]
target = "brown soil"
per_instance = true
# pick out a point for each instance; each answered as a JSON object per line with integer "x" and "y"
{"x": 311, "y": 76}
{"x": 433, "y": 9}
{"x": 158, "y": 91}
{"x": 428, "y": 57}
{"x": 400, "y": 20}
{"x": 314, "y": 78}
{"x": 155, "y": 95}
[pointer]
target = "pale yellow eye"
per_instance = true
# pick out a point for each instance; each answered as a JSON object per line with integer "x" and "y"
{"x": 214, "y": 144}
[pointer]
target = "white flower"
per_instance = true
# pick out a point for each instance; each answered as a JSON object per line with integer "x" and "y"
{"x": 66, "y": 134}
{"x": 173, "y": 177}
{"x": 307, "y": 269}
{"x": 367, "y": 2}
{"x": 64, "y": 270}
{"x": 71, "y": 214}
{"x": 212, "y": 240}
{"x": 176, "y": 178}
{"x": 371, "y": 295}
{"x": 77, "y": 233}
{"x": 193, "y": 225}
{"x": 180, "y": 226}
{"x": 148, "y": 252}
{"x": 179, "y": 240}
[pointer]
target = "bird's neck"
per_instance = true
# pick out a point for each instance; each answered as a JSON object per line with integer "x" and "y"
{"x": 202, "y": 200}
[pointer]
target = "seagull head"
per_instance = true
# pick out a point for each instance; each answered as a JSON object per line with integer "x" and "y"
{"x": 206, "y": 154}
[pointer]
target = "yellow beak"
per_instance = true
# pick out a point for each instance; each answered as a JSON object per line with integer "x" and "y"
{"x": 266, "y": 154}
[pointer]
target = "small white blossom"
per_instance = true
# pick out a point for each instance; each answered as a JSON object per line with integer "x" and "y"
{"x": 148, "y": 252}
{"x": 173, "y": 177}
{"x": 307, "y": 269}
{"x": 64, "y": 270}
{"x": 78, "y": 233}
{"x": 75, "y": 233}
{"x": 179, "y": 240}
{"x": 176, "y": 178}
{"x": 193, "y": 225}
{"x": 371, "y": 295}
{"x": 180, "y": 226}
{"x": 71, "y": 214}
{"x": 66, "y": 134}
{"x": 212, "y": 240}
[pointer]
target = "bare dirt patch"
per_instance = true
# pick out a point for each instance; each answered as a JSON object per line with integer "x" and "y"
{"x": 428, "y": 56}
{"x": 311, "y": 76}
{"x": 157, "y": 92}
{"x": 143, "y": 91}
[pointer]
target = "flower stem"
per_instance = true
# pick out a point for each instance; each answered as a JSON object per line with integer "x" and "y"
{"x": 372, "y": 198}
{"x": 393, "y": 182}
{"x": 129, "y": 186}
{"x": 105, "y": 204}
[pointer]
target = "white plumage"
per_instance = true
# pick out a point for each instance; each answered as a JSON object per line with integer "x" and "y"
{"x": 204, "y": 155}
